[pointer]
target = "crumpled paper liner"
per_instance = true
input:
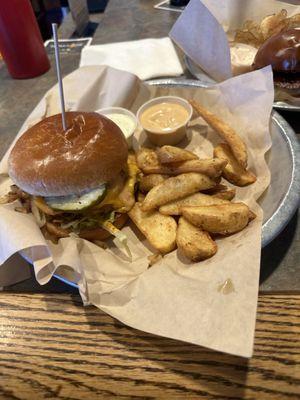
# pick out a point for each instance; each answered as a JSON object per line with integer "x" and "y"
{"x": 174, "y": 298}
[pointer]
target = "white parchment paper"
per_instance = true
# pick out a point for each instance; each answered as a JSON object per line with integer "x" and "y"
{"x": 174, "y": 298}
{"x": 203, "y": 29}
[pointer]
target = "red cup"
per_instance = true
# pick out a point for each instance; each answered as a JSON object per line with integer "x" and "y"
{"x": 21, "y": 43}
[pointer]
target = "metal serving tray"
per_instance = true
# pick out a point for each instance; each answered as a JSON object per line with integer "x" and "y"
{"x": 281, "y": 199}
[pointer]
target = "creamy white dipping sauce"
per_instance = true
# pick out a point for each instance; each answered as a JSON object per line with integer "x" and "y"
{"x": 124, "y": 122}
{"x": 242, "y": 56}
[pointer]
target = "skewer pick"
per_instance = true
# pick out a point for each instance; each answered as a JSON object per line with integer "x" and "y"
{"x": 59, "y": 79}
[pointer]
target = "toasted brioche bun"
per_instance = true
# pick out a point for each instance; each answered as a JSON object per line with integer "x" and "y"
{"x": 46, "y": 161}
{"x": 282, "y": 51}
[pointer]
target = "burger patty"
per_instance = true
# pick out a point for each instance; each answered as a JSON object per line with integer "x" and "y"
{"x": 287, "y": 82}
{"x": 99, "y": 215}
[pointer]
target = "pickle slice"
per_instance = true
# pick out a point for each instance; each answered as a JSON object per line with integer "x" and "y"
{"x": 77, "y": 203}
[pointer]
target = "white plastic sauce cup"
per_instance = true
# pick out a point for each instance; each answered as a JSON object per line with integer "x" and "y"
{"x": 127, "y": 122}
{"x": 170, "y": 137}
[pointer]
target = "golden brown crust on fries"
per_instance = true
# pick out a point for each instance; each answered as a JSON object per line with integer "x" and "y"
{"x": 233, "y": 171}
{"x": 148, "y": 182}
{"x": 223, "y": 219}
{"x": 227, "y": 133}
{"x": 175, "y": 188}
{"x": 193, "y": 242}
{"x": 197, "y": 199}
{"x": 160, "y": 230}
{"x": 171, "y": 154}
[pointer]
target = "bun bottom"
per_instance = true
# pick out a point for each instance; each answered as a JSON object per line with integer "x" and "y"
{"x": 100, "y": 233}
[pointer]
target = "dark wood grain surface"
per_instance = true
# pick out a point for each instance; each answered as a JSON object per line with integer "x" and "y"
{"x": 52, "y": 347}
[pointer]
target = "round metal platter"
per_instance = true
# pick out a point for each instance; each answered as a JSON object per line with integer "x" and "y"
{"x": 281, "y": 199}
{"x": 199, "y": 74}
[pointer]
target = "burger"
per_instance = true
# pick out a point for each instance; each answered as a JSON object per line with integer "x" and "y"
{"x": 78, "y": 181}
{"x": 282, "y": 52}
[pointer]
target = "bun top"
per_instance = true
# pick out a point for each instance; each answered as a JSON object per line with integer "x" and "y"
{"x": 282, "y": 51}
{"x": 48, "y": 161}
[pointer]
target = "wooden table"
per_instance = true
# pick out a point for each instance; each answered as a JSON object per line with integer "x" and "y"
{"x": 53, "y": 347}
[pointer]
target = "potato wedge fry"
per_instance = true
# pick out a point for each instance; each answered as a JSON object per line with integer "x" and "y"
{"x": 148, "y": 182}
{"x": 233, "y": 171}
{"x": 225, "y": 194}
{"x": 194, "y": 243}
{"x": 171, "y": 154}
{"x": 218, "y": 188}
{"x": 140, "y": 197}
{"x": 236, "y": 144}
{"x": 196, "y": 199}
{"x": 160, "y": 230}
{"x": 222, "y": 192}
{"x": 222, "y": 218}
{"x": 175, "y": 188}
{"x": 209, "y": 166}
{"x": 145, "y": 158}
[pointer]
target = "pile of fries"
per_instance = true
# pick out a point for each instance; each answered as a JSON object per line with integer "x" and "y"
{"x": 181, "y": 202}
{"x": 255, "y": 34}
